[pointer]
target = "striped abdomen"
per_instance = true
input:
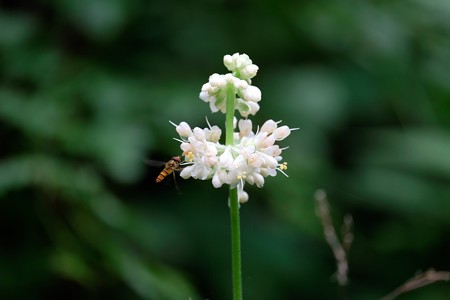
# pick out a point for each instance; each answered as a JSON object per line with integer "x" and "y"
{"x": 164, "y": 173}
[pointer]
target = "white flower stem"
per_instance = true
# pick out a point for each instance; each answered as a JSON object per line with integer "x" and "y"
{"x": 236, "y": 268}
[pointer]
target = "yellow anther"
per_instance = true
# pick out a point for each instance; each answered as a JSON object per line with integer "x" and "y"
{"x": 190, "y": 156}
{"x": 242, "y": 176}
{"x": 283, "y": 166}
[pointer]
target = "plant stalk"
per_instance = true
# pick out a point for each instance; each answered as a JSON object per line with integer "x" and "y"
{"x": 229, "y": 130}
{"x": 235, "y": 245}
{"x": 236, "y": 268}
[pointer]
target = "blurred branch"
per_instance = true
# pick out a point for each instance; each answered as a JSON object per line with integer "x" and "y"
{"x": 418, "y": 281}
{"x": 340, "y": 250}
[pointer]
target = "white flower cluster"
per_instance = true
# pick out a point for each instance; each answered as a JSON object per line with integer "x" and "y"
{"x": 215, "y": 90}
{"x": 252, "y": 156}
{"x": 241, "y": 65}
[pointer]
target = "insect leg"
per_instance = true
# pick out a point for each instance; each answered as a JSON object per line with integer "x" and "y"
{"x": 176, "y": 184}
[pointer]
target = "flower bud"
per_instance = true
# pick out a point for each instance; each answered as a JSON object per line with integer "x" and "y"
{"x": 199, "y": 134}
{"x": 230, "y": 78}
{"x": 259, "y": 179}
{"x": 250, "y": 71}
{"x": 216, "y": 182}
{"x": 186, "y": 147}
{"x": 254, "y": 107}
{"x": 255, "y": 160}
{"x": 252, "y": 93}
{"x": 228, "y": 62}
{"x": 204, "y": 96}
{"x": 269, "y": 126}
{"x": 242, "y": 196}
{"x": 217, "y": 80}
{"x": 186, "y": 172}
{"x": 242, "y": 61}
{"x": 215, "y": 134}
{"x": 273, "y": 151}
{"x": 245, "y": 127}
{"x": 281, "y": 133}
{"x": 226, "y": 159}
{"x": 184, "y": 130}
{"x": 240, "y": 84}
{"x": 267, "y": 142}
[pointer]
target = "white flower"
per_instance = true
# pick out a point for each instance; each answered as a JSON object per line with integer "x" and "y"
{"x": 241, "y": 66}
{"x": 253, "y": 156}
{"x": 252, "y": 93}
{"x": 215, "y": 90}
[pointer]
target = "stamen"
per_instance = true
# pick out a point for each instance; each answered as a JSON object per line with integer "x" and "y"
{"x": 242, "y": 176}
{"x": 282, "y": 172}
{"x": 257, "y": 130}
{"x": 190, "y": 156}
{"x": 283, "y": 167}
{"x": 207, "y": 122}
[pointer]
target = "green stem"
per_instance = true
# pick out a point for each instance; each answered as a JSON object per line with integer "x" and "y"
{"x": 236, "y": 268}
{"x": 235, "y": 245}
{"x": 231, "y": 99}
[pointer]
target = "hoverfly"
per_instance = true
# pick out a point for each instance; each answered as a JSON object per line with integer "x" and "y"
{"x": 170, "y": 167}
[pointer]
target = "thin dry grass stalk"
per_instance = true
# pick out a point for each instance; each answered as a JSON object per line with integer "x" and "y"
{"x": 340, "y": 249}
{"x": 418, "y": 281}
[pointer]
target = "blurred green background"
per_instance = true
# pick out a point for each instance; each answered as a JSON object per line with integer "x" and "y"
{"x": 87, "y": 89}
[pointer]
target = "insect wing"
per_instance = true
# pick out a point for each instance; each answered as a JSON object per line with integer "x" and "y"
{"x": 154, "y": 163}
